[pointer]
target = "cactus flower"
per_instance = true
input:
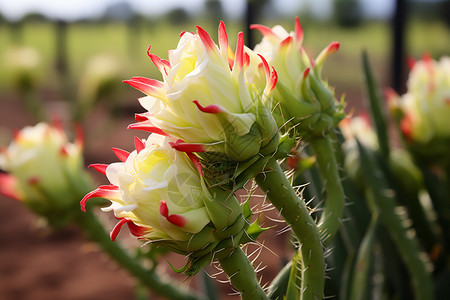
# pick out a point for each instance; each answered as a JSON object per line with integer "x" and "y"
{"x": 206, "y": 101}
{"x": 45, "y": 171}
{"x": 426, "y": 105}
{"x": 160, "y": 194}
{"x": 301, "y": 98}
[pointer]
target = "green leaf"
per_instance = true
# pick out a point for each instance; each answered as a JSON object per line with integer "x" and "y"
{"x": 377, "y": 110}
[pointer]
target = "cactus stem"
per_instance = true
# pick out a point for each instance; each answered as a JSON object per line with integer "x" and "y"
{"x": 284, "y": 197}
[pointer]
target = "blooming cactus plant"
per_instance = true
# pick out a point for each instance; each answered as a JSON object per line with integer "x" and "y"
{"x": 425, "y": 108}
{"x": 206, "y": 101}
{"x": 160, "y": 194}
{"x": 46, "y": 171}
{"x": 301, "y": 98}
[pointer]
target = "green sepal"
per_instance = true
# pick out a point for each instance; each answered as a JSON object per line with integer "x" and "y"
{"x": 180, "y": 270}
{"x": 255, "y": 229}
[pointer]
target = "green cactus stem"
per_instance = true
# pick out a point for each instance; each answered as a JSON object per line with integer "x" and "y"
{"x": 335, "y": 198}
{"x": 242, "y": 275}
{"x": 407, "y": 245}
{"x": 148, "y": 278}
{"x": 285, "y": 199}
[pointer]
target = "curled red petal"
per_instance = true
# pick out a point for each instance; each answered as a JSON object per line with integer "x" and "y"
{"x": 147, "y": 87}
{"x": 175, "y": 219}
{"x": 210, "y": 109}
{"x": 136, "y": 230}
{"x": 162, "y": 64}
{"x": 147, "y": 126}
{"x": 121, "y": 154}
{"x": 101, "y": 168}
{"x": 139, "y": 144}
{"x": 115, "y": 231}
{"x": 182, "y": 146}
{"x": 103, "y": 191}
{"x": 266, "y": 31}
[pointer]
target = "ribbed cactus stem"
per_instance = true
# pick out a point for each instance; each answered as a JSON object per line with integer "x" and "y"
{"x": 283, "y": 196}
{"x": 148, "y": 278}
{"x": 242, "y": 275}
{"x": 335, "y": 198}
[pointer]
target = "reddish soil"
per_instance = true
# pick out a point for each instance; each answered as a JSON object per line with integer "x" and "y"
{"x": 37, "y": 263}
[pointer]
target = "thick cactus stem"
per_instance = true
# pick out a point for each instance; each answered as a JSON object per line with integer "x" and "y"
{"x": 335, "y": 198}
{"x": 242, "y": 275}
{"x": 283, "y": 196}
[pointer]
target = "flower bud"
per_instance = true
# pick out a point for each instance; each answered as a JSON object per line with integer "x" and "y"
{"x": 206, "y": 101}
{"x": 46, "y": 172}
{"x": 426, "y": 108}
{"x": 302, "y": 100}
{"x": 160, "y": 194}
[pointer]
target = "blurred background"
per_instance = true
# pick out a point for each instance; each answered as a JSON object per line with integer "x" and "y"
{"x": 67, "y": 59}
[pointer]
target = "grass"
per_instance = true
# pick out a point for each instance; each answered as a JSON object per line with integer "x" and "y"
{"x": 128, "y": 45}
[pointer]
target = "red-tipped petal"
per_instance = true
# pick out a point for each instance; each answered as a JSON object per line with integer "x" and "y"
{"x": 101, "y": 168}
{"x": 162, "y": 64}
{"x": 273, "y": 79}
{"x": 103, "y": 191}
{"x": 239, "y": 60}
{"x": 163, "y": 209}
{"x": 147, "y": 126}
{"x": 332, "y": 48}
{"x": 139, "y": 144}
{"x": 136, "y": 230}
{"x": 8, "y": 186}
{"x": 266, "y": 31}
{"x": 266, "y": 66}
{"x": 121, "y": 154}
{"x": 390, "y": 94}
{"x": 181, "y": 146}
{"x": 206, "y": 39}
{"x": 286, "y": 42}
{"x": 195, "y": 162}
{"x": 298, "y": 31}
{"x": 210, "y": 109}
{"x": 223, "y": 40}
{"x": 147, "y": 86}
{"x": 406, "y": 126}
{"x": 306, "y": 73}
{"x": 410, "y": 62}
{"x": 175, "y": 219}
{"x": 115, "y": 231}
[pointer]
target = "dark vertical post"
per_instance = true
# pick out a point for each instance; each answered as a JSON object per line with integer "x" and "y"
{"x": 398, "y": 46}
{"x": 61, "y": 48}
{"x": 250, "y": 19}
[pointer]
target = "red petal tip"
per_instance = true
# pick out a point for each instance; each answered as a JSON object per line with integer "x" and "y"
{"x": 121, "y": 154}
{"x": 99, "y": 168}
{"x": 210, "y": 109}
{"x": 139, "y": 144}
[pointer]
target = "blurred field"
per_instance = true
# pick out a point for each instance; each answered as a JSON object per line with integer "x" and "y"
{"x": 129, "y": 43}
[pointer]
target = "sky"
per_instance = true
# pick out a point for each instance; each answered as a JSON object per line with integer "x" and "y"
{"x": 76, "y": 9}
